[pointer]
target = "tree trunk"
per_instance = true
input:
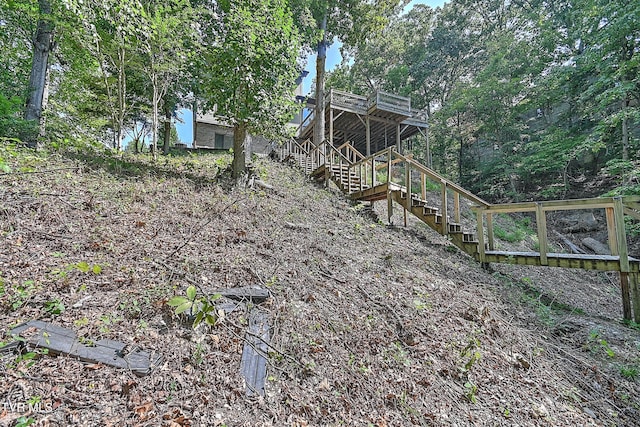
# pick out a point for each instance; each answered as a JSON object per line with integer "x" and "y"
{"x": 154, "y": 119}
{"x": 122, "y": 97}
{"x": 42, "y": 45}
{"x": 167, "y": 128}
{"x": 625, "y": 130}
{"x": 239, "y": 138}
{"x": 318, "y": 130}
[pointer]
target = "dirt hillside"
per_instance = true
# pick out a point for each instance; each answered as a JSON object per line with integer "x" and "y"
{"x": 371, "y": 325}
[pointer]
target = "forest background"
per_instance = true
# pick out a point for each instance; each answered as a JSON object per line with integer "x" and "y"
{"x": 526, "y": 99}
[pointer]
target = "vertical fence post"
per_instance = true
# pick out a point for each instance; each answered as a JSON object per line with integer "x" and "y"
{"x": 626, "y": 301}
{"x": 618, "y": 212}
{"x": 491, "y": 242}
{"x": 407, "y": 182}
{"x": 541, "y": 223}
{"x": 443, "y": 196}
{"x": 623, "y": 254}
{"x": 635, "y": 295}
{"x": 480, "y": 231}
{"x": 373, "y": 171}
{"x": 389, "y": 154}
{"x": 612, "y": 236}
{"x": 456, "y": 207}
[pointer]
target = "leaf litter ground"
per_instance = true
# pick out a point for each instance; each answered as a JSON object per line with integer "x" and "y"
{"x": 371, "y": 324}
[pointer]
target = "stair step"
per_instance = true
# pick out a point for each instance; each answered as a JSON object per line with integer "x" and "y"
{"x": 469, "y": 238}
{"x": 455, "y": 228}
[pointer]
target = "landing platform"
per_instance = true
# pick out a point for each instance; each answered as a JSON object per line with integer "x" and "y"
{"x": 583, "y": 261}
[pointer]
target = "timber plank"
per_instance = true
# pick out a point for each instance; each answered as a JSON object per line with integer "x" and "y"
{"x": 253, "y": 366}
{"x": 245, "y": 293}
{"x": 59, "y": 340}
{"x": 584, "y": 261}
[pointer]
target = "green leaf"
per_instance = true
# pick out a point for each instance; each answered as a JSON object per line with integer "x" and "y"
{"x": 191, "y": 292}
{"x": 184, "y": 307}
{"x": 176, "y": 301}
{"x": 211, "y": 320}
{"x": 96, "y": 269}
{"x": 83, "y": 266}
{"x": 198, "y": 319}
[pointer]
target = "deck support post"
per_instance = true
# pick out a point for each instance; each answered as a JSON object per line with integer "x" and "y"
{"x": 398, "y": 141}
{"x": 389, "y": 207}
{"x": 634, "y": 279}
{"x": 492, "y": 245}
{"x": 423, "y": 186}
{"x": 541, "y": 223}
{"x": 407, "y": 185}
{"x": 480, "y": 228}
{"x": 443, "y": 195}
{"x": 618, "y": 212}
{"x": 611, "y": 231}
{"x": 368, "y": 135}
{"x": 626, "y": 301}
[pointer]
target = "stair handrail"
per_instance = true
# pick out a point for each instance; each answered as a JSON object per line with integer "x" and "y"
{"x": 297, "y": 145}
{"x": 310, "y": 118}
{"x": 350, "y": 148}
{"x": 439, "y": 178}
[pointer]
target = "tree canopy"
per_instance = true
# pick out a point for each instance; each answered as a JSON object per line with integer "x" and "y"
{"x": 525, "y": 99}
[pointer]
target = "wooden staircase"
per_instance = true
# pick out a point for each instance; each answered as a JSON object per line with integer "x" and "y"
{"x": 387, "y": 175}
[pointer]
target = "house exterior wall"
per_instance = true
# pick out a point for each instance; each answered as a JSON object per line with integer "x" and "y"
{"x": 213, "y": 133}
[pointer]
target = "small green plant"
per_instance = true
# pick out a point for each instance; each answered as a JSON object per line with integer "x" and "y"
{"x": 107, "y": 321}
{"x": 506, "y": 413}
{"x": 471, "y": 390}
{"x": 22, "y": 294}
{"x": 595, "y": 343}
{"x": 82, "y": 266}
{"x": 629, "y": 372}
{"x": 399, "y": 354}
{"x": 511, "y": 230}
{"x": 81, "y": 322}
{"x": 54, "y": 307}
{"x": 200, "y": 308}
{"x": 470, "y": 354}
{"x": 24, "y": 421}
{"x": 198, "y": 355}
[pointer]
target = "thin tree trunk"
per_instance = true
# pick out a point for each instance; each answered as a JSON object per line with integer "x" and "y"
{"x": 42, "y": 45}
{"x": 154, "y": 120}
{"x": 318, "y": 131}
{"x": 625, "y": 131}
{"x": 122, "y": 100}
{"x": 239, "y": 138}
{"x": 167, "y": 127}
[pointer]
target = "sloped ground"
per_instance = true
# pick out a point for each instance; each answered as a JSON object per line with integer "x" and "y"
{"x": 371, "y": 325}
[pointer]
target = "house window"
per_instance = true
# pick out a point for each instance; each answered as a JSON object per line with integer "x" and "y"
{"x": 219, "y": 141}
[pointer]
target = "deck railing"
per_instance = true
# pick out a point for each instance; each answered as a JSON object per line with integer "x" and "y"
{"x": 338, "y": 98}
{"x": 394, "y": 103}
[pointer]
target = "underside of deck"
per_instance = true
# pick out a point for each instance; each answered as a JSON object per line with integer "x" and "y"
{"x": 351, "y": 115}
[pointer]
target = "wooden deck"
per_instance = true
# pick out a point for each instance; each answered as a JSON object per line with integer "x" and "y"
{"x": 402, "y": 181}
{"x": 368, "y": 124}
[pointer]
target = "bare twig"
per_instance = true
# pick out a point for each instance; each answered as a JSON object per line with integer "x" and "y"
{"x": 76, "y": 168}
{"x": 261, "y": 339}
{"x": 202, "y": 226}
